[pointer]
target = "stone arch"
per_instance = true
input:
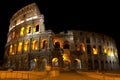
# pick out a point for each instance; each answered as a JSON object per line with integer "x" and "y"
{"x": 35, "y": 44}
{"x": 57, "y": 45}
{"x": 58, "y": 40}
{"x": 36, "y": 27}
{"x": 33, "y": 63}
{"x": 66, "y": 45}
{"x": 67, "y": 64}
{"x": 26, "y": 45}
{"x": 55, "y": 62}
{"x": 77, "y": 64}
{"x": 43, "y": 64}
{"x": 44, "y": 43}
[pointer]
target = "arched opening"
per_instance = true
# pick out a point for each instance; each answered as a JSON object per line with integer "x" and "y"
{"x": 109, "y": 52}
{"x": 34, "y": 45}
{"x": 43, "y": 64}
{"x": 96, "y": 64}
{"x": 11, "y": 49}
{"x": 22, "y": 31}
{"x": 28, "y": 29}
{"x": 66, "y": 45}
{"x": 77, "y": 64}
{"x": 95, "y": 51}
{"x": 19, "y": 46}
{"x": 36, "y": 27}
{"x": 13, "y": 35}
{"x": 105, "y": 49}
{"x": 55, "y": 62}
{"x": 26, "y": 45}
{"x": 57, "y": 45}
{"x": 67, "y": 64}
{"x": 56, "y": 40}
{"x": 32, "y": 64}
{"x": 44, "y": 43}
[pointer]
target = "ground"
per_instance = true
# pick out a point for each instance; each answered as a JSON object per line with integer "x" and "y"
{"x": 56, "y": 75}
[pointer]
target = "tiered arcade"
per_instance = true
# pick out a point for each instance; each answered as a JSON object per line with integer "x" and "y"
{"x": 30, "y": 47}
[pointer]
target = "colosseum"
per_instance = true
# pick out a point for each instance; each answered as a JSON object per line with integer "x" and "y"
{"x": 30, "y": 47}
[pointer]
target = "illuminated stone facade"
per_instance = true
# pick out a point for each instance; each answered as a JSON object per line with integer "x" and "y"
{"x": 30, "y": 47}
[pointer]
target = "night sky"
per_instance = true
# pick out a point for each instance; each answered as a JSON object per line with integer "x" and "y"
{"x": 100, "y": 17}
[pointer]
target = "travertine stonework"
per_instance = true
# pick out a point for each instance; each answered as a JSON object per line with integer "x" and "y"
{"x": 30, "y": 47}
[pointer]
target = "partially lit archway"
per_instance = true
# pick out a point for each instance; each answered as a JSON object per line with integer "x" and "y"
{"x": 77, "y": 64}
{"x": 55, "y": 62}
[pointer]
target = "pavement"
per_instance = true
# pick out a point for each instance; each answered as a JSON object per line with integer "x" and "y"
{"x": 56, "y": 75}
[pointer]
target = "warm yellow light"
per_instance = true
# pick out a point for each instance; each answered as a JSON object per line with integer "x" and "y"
{"x": 34, "y": 29}
{"x": 20, "y": 47}
{"x": 109, "y": 52}
{"x": 34, "y": 45}
{"x": 26, "y": 45}
{"x": 28, "y": 29}
{"x": 83, "y": 47}
{"x": 11, "y": 47}
{"x": 78, "y": 60}
{"x": 65, "y": 56}
{"x": 35, "y": 60}
{"x": 42, "y": 45}
{"x": 95, "y": 51}
{"x": 67, "y": 60}
{"x": 22, "y": 31}
{"x": 104, "y": 49}
{"x": 116, "y": 53}
{"x": 35, "y": 26}
{"x": 55, "y": 60}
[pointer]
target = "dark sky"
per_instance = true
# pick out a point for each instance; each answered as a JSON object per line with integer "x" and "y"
{"x": 100, "y": 17}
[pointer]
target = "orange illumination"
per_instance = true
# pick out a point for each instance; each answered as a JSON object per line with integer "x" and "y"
{"x": 28, "y": 29}
{"x": 26, "y": 45}
{"x": 11, "y": 47}
{"x": 83, "y": 47}
{"x": 104, "y": 49}
{"x": 35, "y": 60}
{"x": 13, "y": 35}
{"x": 43, "y": 45}
{"x": 55, "y": 60}
{"x": 78, "y": 60}
{"x": 116, "y": 53}
{"x": 20, "y": 47}
{"x": 34, "y": 29}
{"x": 65, "y": 56}
{"x": 95, "y": 51}
{"x": 109, "y": 52}
{"x": 35, "y": 26}
{"x": 34, "y": 45}
{"x": 67, "y": 60}
{"x": 22, "y": 31}
{"x": 60, "y": 41}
